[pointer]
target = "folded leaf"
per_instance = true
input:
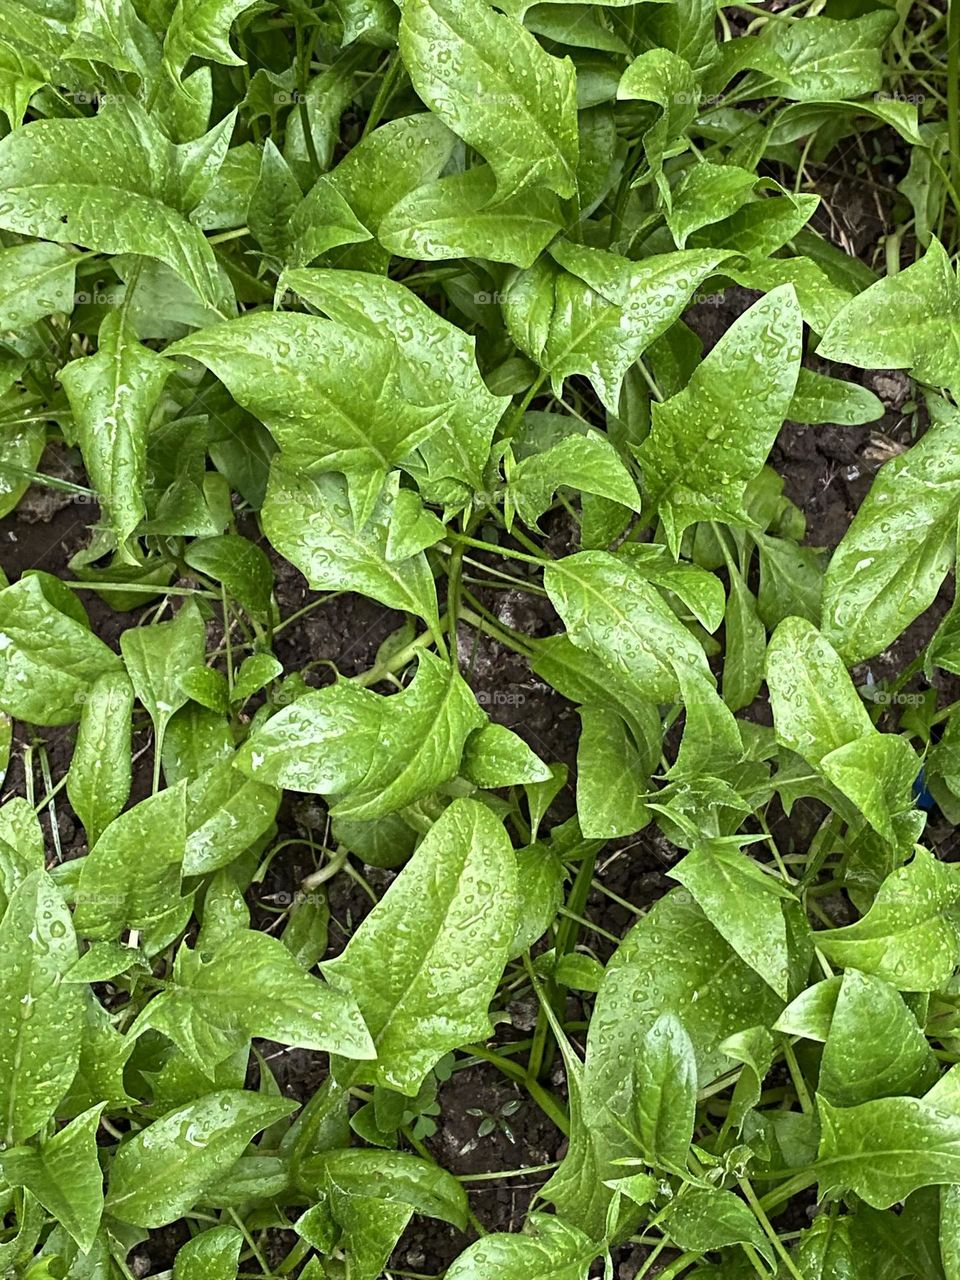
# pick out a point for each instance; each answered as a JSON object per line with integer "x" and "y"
{"x": 112, "y": 395}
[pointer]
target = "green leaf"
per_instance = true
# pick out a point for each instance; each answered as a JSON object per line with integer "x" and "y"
{"x": 905, "y": 321}
{"x": 111, "y": 31}
{"x": 208, "y": 687}
{"x": 610, "y": 610}
{"x": 671, "y": 961}
{"x": 200, "y": 29}
{"x": 156, "y": 655}
{"x": 324, "y": 742}
{"x": 372, "y": 1195}
{"x": 240, "y": 565}
{"x": 819, "y": 297}
{"x": 911, "y": 934}
{"x": 462, "y": 217}
{"x": 49, "y": 659}
{"x": 662, "y": 77}
{"x": 877, "y": 773}
{"x": 816, "y": 709}
{"x": 711, "y": 438}
{"x": 487, "y": 78}
{"x": 21, "y": 846}
{"x": 255, "y": 673}
{"x": 743, "y": 905}
{"x": 791, "y": 581}
{"x": 112, "y": 395}
{"x": 332, "y": 397}
{"x": 665, "y": 1093}
{"x": 556, "y": 1251}
{"x": 828, "y": 58}
{"x": 612, "y": 777}
{"x": 110, "y": 182}
{"x": 540, "y": 876}
{"x": 120, "y": 888}
{"x": 64, "y": 1175}
{"x": 438, "y": 363}
{"x": 390, "y": 752}
{"x": 883, "y": 1150}
{"x": 160, "y": 1173}
{"x": 811, "y": 1013}
{"x": 322, "y": 220}
{"x": 822, "y": 399}
{"x": 703, "y": 1218}
{"x": 390, "y": 1177}
{"x": 386, "y": 165}
{"x": 211, "y": 1255}
{"x": 308, "y": 519}
{"x": 874, "y": 1047}
{"x": 226, "y": 815}
{"x": 40, "y": 1015}
{"x": 38, "y": 280}
{"x": 447, "y": 956}
{"x": 707, "y": 193}
{"x": 98, "y": 782}
{"x": 598, "y": 315}
{"x": 587, "y": 462}
{"x": 894, "y": 557}
{"x": 495, "y": 756}
{"x": 21, "y": 448}
{"x": 252, "y": 986}
{"x": 746, "y": 640}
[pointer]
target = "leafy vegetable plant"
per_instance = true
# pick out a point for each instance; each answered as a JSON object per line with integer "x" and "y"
{"x": 387, "y": 316}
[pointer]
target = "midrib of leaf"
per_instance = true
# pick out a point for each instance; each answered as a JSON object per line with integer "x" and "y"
{"x": 117, "y": 378}
{"x": 32, "y": 995}
{"x": 582, "y": 334}
{"x": 425, "y": 956}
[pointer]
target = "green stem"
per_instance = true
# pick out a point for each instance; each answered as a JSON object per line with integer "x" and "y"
{"x": 387, "y": 86}
{"x": 454, "y": 584}
{"x": 953, "y": 90}
{"x": 539, "y": 561}
{"x": 751, "y": 1198}
{"x": 400, "y": 659}
{"x": 516, "y": 416}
